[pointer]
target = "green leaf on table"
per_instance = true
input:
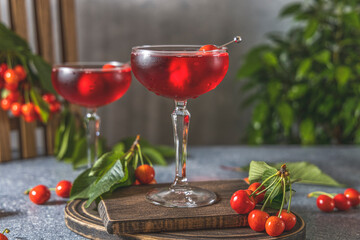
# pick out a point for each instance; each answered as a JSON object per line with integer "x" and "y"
{"x": 154, "y": 156}
{"x": 104, "y": 163}
{"x": 118, "y": 173}
{"x": 257, "y": 169}
{"x": 309, "y": 173}
{"x": 82, "y": 185}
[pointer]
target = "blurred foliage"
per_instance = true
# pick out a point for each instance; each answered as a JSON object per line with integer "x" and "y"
{"x": 305, "y": 84}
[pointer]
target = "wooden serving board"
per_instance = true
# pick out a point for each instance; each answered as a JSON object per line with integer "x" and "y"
{"x": 127, "y": 211}
{"x": 87, "y": 223}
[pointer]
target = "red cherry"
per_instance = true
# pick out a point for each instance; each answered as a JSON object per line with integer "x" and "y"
{"x": 20, "y": 71}
{"x": 3, "y": 68}
{"x": 253, "y": 187}
{"x": 274, "y": 226}
{"x": 13, "y": 96}
{"x": 145, "y": 173}
{"x": 91, "y": 85}
{"x": 241, "y": 202}
{"x": 5, "y": 104}
{"x": 137, "y": 182}
{"x": 10, "y": 76}
{"x": 289, "y": 219}
{"x": 208, "y": 48}
{"x": 29, "y": 118}
{"x": 3, "y": 237}
{"x": 63, "y": 188}
{"x": 49, "y": 98}
{"x": 11, "y": 86}
{"x": 55, "y": 107}
{"x": 108, "y": 66}
{"x": 353, "y": 195}
{"x": 153, "y": 181}
{"x": 28, "y": 109}
{"x": 16, "y": 109}
{"x": 325, "y": 203}
{"x": 341, "y": 202}
{"x": 247, "y": 180}
{"x": 39, "y": 194}
{"x": 257, "y": 220}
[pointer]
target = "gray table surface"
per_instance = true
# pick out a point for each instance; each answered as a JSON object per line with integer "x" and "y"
{"x": 29, "y": 221}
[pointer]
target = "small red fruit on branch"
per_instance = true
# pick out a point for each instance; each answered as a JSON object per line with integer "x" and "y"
{"x": 144, "y": 173}
{"x": 241, "y": 202}
{"x": 326, "y": 202}
{"x": 274, "y": 226}
{"x": 63, "y": 188}
{"x": 39, "y": 194}
{"x": 2, "y": 235}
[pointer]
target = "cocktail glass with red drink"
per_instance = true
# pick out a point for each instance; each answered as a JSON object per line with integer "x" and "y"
{"x": 91, "y": 85}
{"x": 180, "y": 72}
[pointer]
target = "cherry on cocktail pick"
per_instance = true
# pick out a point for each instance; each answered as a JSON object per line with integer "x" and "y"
{"x": 210, "y": 47}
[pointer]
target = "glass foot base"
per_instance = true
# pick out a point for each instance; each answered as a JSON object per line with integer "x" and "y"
{"x": 181, "y": 197}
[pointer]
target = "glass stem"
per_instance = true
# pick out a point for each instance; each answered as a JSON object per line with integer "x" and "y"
{"x": 92, "y": 122}
{"x": 180, "y": 119}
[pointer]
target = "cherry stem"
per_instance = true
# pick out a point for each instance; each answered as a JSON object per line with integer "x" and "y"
{"x": 267, "y": 188}
{"x": 6, "y": 231}
{"x": 140, "y": 154}
{"x": 284, "y": 192}
{"x": 52, "y": 189}
{"x": 267, "y": 199}
{"x": 318, "y": 193}
{"x": 263, "y": 184}
{"x": 236, "y": 39}
{"x": 27, "y": 191}
{"x": 288, "y": 210}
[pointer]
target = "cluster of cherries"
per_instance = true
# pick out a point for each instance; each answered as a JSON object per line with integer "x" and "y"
{"x": 326, "y": 202}
{"x": 2, "y": 235}
{"x": 144, "y": 174}
{"x": 244, "y": 202}
{"x": 41, "y": 194}
{"x": 15, "y": 94}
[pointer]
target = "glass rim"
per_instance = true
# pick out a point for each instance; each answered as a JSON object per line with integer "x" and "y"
{"x": 153, "y": 49}
{"x": 92, "y": 66}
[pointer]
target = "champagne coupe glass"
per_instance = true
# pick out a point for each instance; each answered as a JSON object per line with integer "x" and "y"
{"x": 91, "y": 85}
{"x": 179, "y": 72}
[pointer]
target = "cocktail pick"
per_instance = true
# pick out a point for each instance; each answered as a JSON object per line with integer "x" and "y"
{"x": 236, "y": 39}
{"x": 210, "y": 47}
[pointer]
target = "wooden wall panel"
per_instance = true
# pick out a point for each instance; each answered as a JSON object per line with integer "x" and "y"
{"x": 44, "y": 29}
{"x": 68, "y": 30}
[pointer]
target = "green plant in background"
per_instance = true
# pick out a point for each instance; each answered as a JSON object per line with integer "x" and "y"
{"x": 305, "y": 84}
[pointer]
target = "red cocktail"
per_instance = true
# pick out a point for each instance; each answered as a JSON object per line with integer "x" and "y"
{"x": 92, "y": 85}
{"x": 180, "y": 73}
{"x": 180, "y": 77}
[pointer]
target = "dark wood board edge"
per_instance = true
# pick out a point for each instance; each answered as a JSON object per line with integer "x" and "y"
{"x": 82, "y": 222}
